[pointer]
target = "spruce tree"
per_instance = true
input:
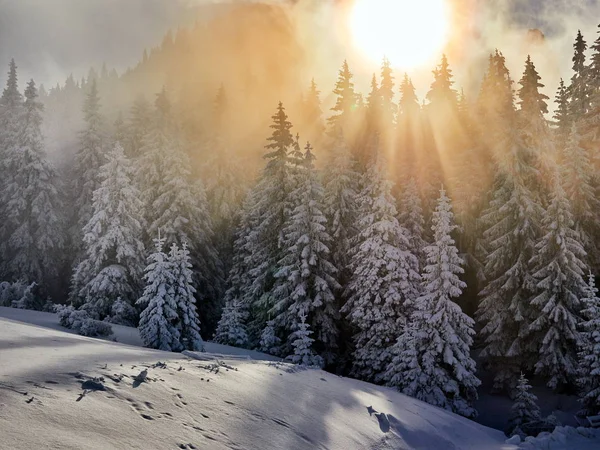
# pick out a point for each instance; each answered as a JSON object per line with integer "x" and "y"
{"x": 32, "y": 228}
{"x": 306, "y": 278}
{"x": 89, "y": 158}
{"x": 114, "y": 260}
{"x": 557, "y": 271}
{"x": 410, "y": 217}
{"x": 384, "y": 280}
{"x": 386, "y": 93}
{"x": 578, "y": 172}
{"x": 159, "y": 319}
{"x": 591, "y": 123}
{"x": 139, "y": 125}
{"x": 561, "y": 113}
{"x": 408, "y": 130}
{"x": 312, "y": 115}
{"x": 346, "y": 101}
{"x": 183, "y": 293}
{"x": 525, "y": 409}
{"x": 432, "y": 358}
{"x": 578, "y": 90}
{"x": 341, "y": 182}
{"x": 302, "y": 344}
{"x": 272, "y": 209}
{"x": 510, "y": 229}
{"x": 589, "y": 352}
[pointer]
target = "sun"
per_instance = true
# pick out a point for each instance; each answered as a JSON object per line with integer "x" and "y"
{"x": 408, "y": 33}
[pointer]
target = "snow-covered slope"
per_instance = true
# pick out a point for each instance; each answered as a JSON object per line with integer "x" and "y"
{"x": 187, "y": 403}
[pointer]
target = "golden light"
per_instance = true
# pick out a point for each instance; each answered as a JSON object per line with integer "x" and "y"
{"x": 408, "y": 32}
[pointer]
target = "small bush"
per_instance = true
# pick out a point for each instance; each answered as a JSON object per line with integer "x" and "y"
{"x": 78, "y": 320}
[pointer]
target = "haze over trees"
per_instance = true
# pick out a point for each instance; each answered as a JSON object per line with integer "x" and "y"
{"x": 372, "y": 237}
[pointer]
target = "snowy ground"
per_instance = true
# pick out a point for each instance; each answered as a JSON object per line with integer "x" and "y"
{"x": 185, "y": 403}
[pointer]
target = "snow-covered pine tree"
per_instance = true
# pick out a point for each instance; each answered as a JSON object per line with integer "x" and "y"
{"x": 159, "y": 320}
{"x": 32, "y": 228}
{"x": 177, "y": 206}
{"x": 11, "y": 104}
{"x": 269, "y": 341}
{"x": 305, "y": 279}
{"x": 525, "y": 408}
{"x": 510, "y": 226}
{"x": 139, "y": 125}
{"x": 410, "y": 217}
{"x": 114, "y": 260}
{"x": 577, "y": 173}
{"x": 561, "y": 114}
{"x": 271, "y": 202}
{"x": 578, "y": 89}
{"x": 89, "y": 158}
{"x": 433, "y": 361}
{"x": 557, "y": 270}
{"x": 345, "y": 102}
{"x": 313, "y": 127}
{"x": 302, "y": 345}
{"x": 589, "y": 353}
{"x": 183, "y": 293}
{"x": 385, "y": 278}
{"x": 341, "y": 183}
{"x": 232, "y": 327}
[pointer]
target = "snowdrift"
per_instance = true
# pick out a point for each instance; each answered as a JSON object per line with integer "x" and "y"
{"x": 59, "y": 390}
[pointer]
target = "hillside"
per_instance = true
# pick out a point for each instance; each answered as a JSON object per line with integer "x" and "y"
{"x": 186, "y": 403}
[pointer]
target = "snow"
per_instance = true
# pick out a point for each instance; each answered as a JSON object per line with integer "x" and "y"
{"x": 151, "y": 399}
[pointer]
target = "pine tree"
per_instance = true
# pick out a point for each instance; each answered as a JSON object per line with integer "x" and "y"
{"x": 345, "y": 102}
{"x": 384, "y": 281}
{"x": 139, "y": 125}
{"x": 411, "y": 218}
{"x": 183, "y": 293}
{"x": 177, "y": 206}
{"x": 114, "y": 251}
{"x": 32, "y": 229}
{"x": 408, "y": 130}
{"x": 272, "y": 208}
{"x": 88, "y": 160}
{"x": 159, "y": 319}
{"x": 441, "y": 95}
{"x": 525, "y": 409}
{"x": 302, "y": 344}
{"x": 312, "y": 115}
{"x": 432, "y": 361}
{"x": 386, "y": 93}
{"x": 561, "y": 113}
{"x": 591, "y": 123}
{"x": 589, "y": 354}
{"x": 305, "y": 279}
{"x": 578, "y": 90}
{"x": 232, "y": 327}
{"x": 269, "y": 341}
{"x": 558, "y": 269}
{"x": 510, "y": 229}
{"x": 577, "y": 173}
{"x": 341, "y": 182}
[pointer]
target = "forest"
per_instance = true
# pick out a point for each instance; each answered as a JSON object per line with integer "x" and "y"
{"x": 399, "y": 240}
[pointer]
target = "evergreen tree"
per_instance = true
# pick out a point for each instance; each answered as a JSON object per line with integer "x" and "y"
{"x": 305, "y": 281}
{"x": 411, "y": 218}
{"x": 386, "y": 93}
{"x": 341, "y": 183}
{"x": 441, "y": 95}
{"x": 139, "y": 125}
{"x": 578, "y": 90}
{"x": 432, "y": 361}
{"x": 312, "y": 115}
{"x": 561, "y": 113}
{"x": 272, "y": 208}
{"x": 114, "y": 259}
{"x": 302, "y": 343}
{"x": 577, "y": 175}
{"x": 183, "y": 293}
{"x": 159, "y": 319}
{"x": 346, "y": 101}
{"x": 525, "y": 409}
{"x": 384, "y": 281}
{"x": 558, "y": 269}
{"x": 591, "y": 124}
{"x": 88, "y": 160}
{"x": 408, "y": 130}
{"x": 589, "y": 354}
{"x": 32, "y": 229}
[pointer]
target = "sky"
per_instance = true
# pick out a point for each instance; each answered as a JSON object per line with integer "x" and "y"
{"x": 52, "y": 38}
